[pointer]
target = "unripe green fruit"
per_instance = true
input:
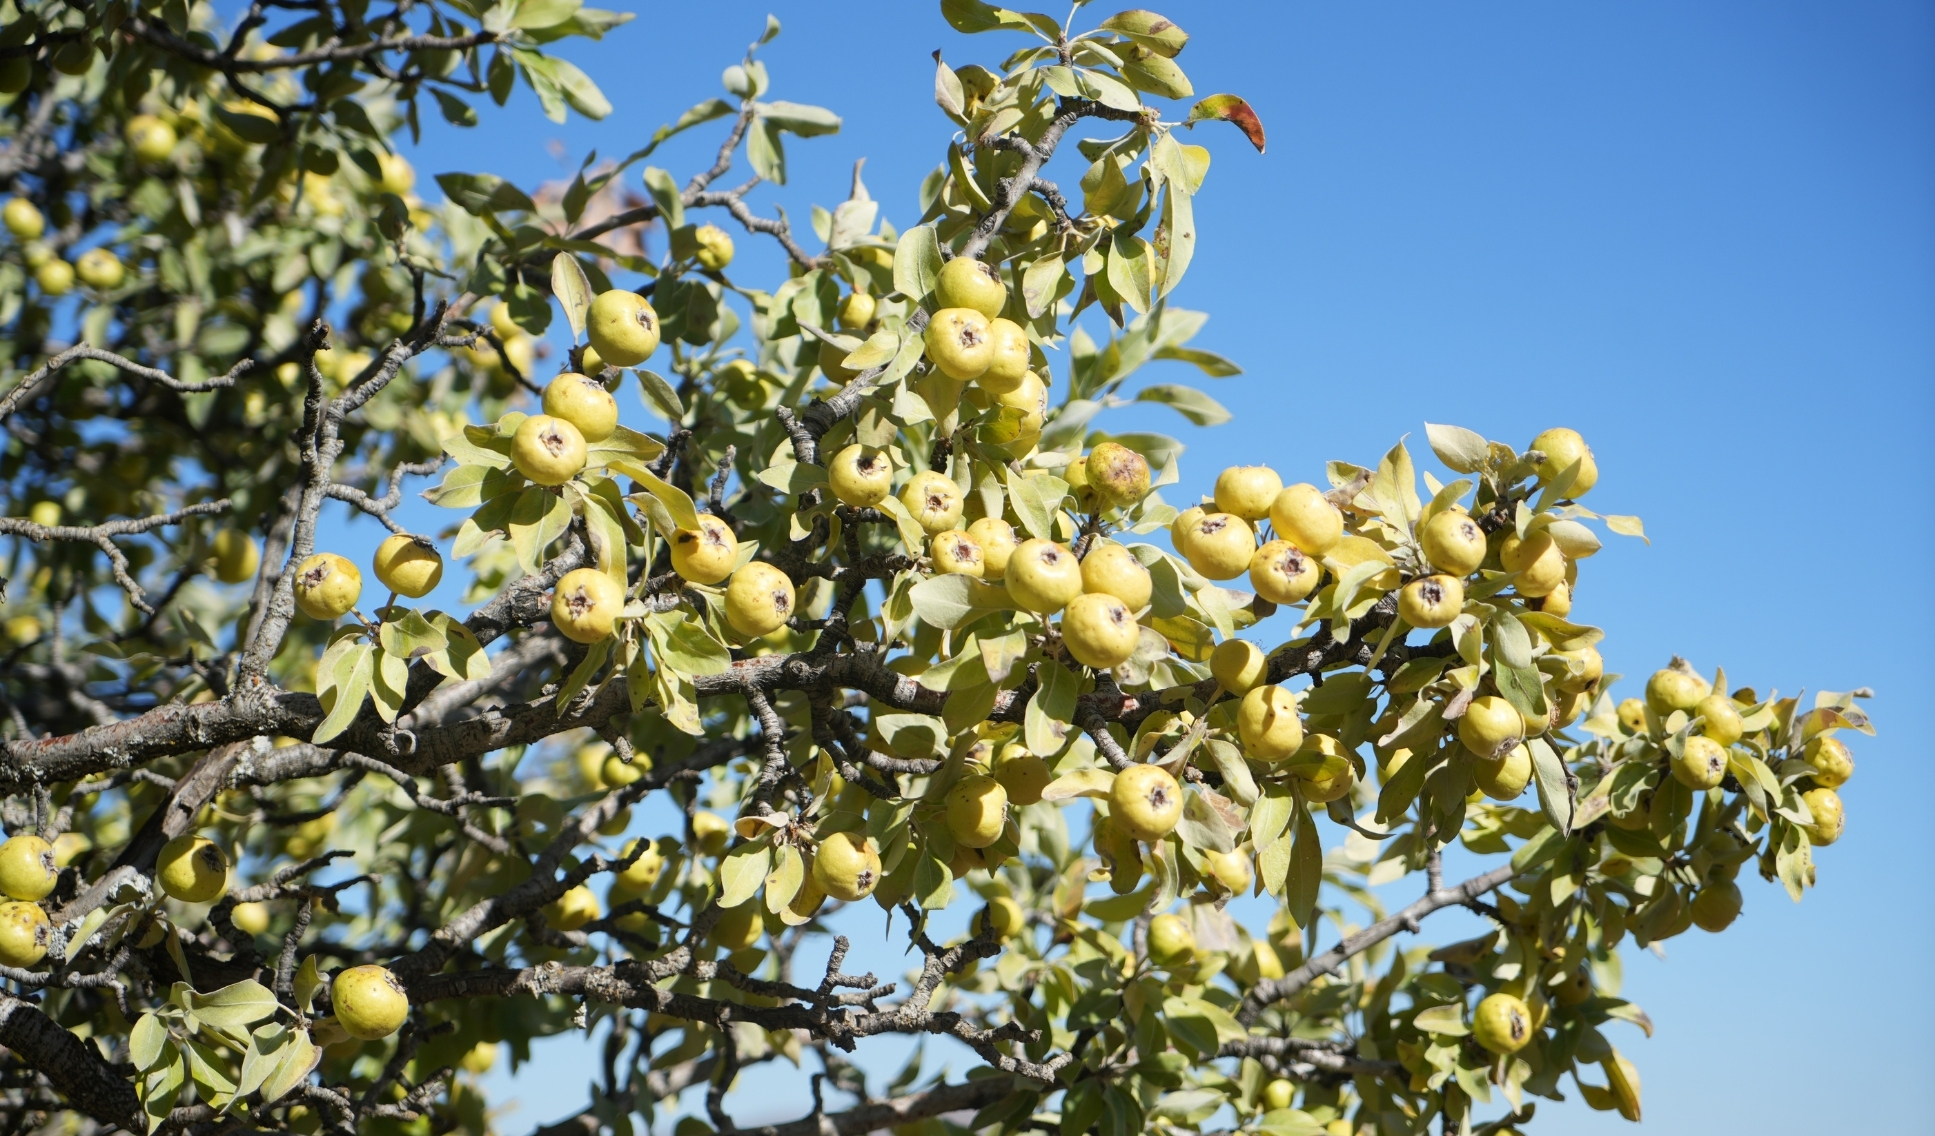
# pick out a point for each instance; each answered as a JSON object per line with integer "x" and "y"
{"x": 406, "y": 566}
{"x": 1043, "y": 576}
{"x": 1503, "y": 778}
{"x": 1702, "y": 764}
{"x": 23, "y": 219}
{"x": 1453, "y": 543}
{"x": 27, "y": 868}
{"x": 75, "y": 57}
{"x": 1303, "y": 516}
{"x": 1829, "y": 817}
{"x": 572, "y": 910}
{"x": 1676, "y": 686}
{"x": 622, "y": 327}
{"x": 1502, "y": 1024}
{"x": 934, "y": 500}
{"x": 710, "y": 832}
{"x": 705, "y": 555}
{"x": 1238, "y": 665}
{"x": 56, "y": 277}
{"x": 1576, "y": 990}
{"x": 833, "y": 362}
{"x": 965, "y": 282}
{"x": 1099, "y": 630}
{"x": 1119, "y": 854}
{"x": 479, "y": 1059}
{"x": 861, "y": 476}
{"x": 847, "y": 867}
{"x": 1537, "y": 561}
{"x": 250, "y": 918}
{"x": 1283, "y": 573}
{"x": 585, "y": 403}
{"x": 1717, "y": 905}
{"x": 1023, "y": 774}
{"x": 1110, "y": 569}
{"x": 1145, "y": 802}
{"x": 759, "y": 600}
{"x": 1117, "y": 473}
{"x": 1007, "y": 357}
{"x": 1247, "y": 491}
{"x": 1491, "y": 726}
{"x": 1231, "y": 869}
{"x": 369, "y": 1002}
{"x": 1832, "y": 762}
{"x": 1267, "y": 722}
{"x": 1220, "y": 546}
{"x": 236, "y": 556}
{"x": 997, "y": 540}
{"x": 1562, "y": 449}
{"x": 977, "y": 809}
{"x": 1003, "y": 916}
{"x": 1435, "y": 601}
{"x": 586, "y": 604}
{"x": 959, "y": 343}
{"x": 25, "y": 934}
{"x": 100, "y": 269}
{"x": 1279, "y": 1094}
{"x": 192, "y": 869}
{"x": 327, "y": 586}
{"x": 644, "y": 871}
{"x": 856, "y": 311}
{"x": 547, "y": 450}
{"x": 710, "y": 245}
{"x": 740, "y": 927}
{"x": 1171, "y": 942}
{"x": 1723, "y": 722}
{"x": 955, "y": 553}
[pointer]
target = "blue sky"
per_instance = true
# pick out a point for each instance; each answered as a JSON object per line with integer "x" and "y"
{"x": 1701, "y": 233}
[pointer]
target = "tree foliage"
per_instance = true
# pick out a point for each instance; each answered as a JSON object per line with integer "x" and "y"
{"x": 875, "y": 612}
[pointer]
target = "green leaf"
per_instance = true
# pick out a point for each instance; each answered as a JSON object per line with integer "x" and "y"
{"x": 1549, "y": 773}
{"x": 581, "y": 674}
{"x": 911, "y": 534}
{"x": 971, "y": 16}
{"x": 147, "y": 1042}
{"x": 1460, "y": 449}
{"x": 479, "y": 194}
{"x": 348, "y": 696}
{"x": 1190, "y": 402}
{"x": 543, "y": 13}
{"x": 743, "y": 871}
{"x": 1306, "y": 874}
{"x": 798, "y": 118}
{"x": 1627, "y": 526}
{"x": 412, "y": 637}
{"x": 917, "y": 262}
{"x": 950, "y": 601}
{"x": 658, "y": 395}
{"x": 665, "y": 192}
{"x": 262, "y": 1058}
{"x": 299, "y": 1058}
{"x": 1052, "y": 709}
{"x": 1158, "y": 75}
{"x": 308, "y": 980}
{"x": 1130, "y": 270}
{"x": 539, "y": 517}
{"x": 1202, "y": 826}
{"x": 1037, "y": 499}
{"x": 573, "y": 289}
{"x": 677, "y": 501}
{"x": 1147, "y": 29}
{"x": 1231, "y": 109}
{"x": 683, "y": 644}
{"x": 1448, "y": 1020}
{"x": 1208, "y": 362}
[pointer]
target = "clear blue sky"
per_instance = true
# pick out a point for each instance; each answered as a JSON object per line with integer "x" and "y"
{"x": 1702, "y": 233}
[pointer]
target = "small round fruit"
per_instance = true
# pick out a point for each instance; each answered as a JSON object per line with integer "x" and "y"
{"x": 100, "y": 269}
{"x": 934, "y": 500}
{"x": 705, "y": 555}
{"x": 1023, "y": 774}
{"x": 572, "y": 910}
{"x": 1829, "y": 817}
{"x": 1537, "y": 561}
{"x": 1567, "y": 706}
{"x": 27, "y": 867}
{"x": 1113, "y": 570}
{"x": 45, "y": 513}
{"x": 1563, "y": 449}
{"x": 1717, "y": 905}
{"x": 965, "y": 282}
{"x": 1502, "y": 1024}
{"x": 861, "y": 476}
{"x": 740, "y": 927}
{"x": 644, "y": 871}
{"x": 586, "y": 604}
{"x": 25, "y": 934}
{"x": 1183, "y": 525}
{"x": 584, "y": 402}
{"x": 327, "y": 586}
{"x": 1702, "y": 764}
{"x": 1632, "y": 715}
{"x": 407, "y": 566}
{"x": 622, "y": 327}
{"x": 1118, "y": 473}
{"x": 1283, "y": 573}
{"x": 369, "y": 1002}
{"x": 711, "y": 247}
{"x": 1829, "y": 756}
{"x": 479, "y": 1058}
{"x": 250, "y": 918}
{"x": 1558, "y": 601}
{"x": 192, "y": 869}
{"x": 1676, "y": 686}
{"x": 1584, "y": 668}
{"x": 832, "y": 359}
{"x": 1231, "y": 869}
{"x": 56, "y": 277}
{"x": 1003, "y": 916}
{"x": 1279, "y": 1094}
{"x": 1099, "y": 630}
{"x": 1503, "y": 778}
{"x": 959, "y": 343}
{"x": 1015, "y": 438}
{"x": 1576, "y": 990}
{"x": 1723, "y": 722}
{"x": 759, "y": 600}
{"x": 1491, "y": 726}
{"x": 1145, "y": 802}
{"x": 1170, "y": 940}
{"x": 1268, "y": 724}
{"x": 547, "y": 450}
{"x": 1043, "y": 576}
{"x": 1453, "y": 543}
{"x": 1220, "y": 546}
{"x": 847, "y": 866}
{"x": 955, "y": 553}
{"x": 23, "y": 219}
{"x": 399, "y": 177}
{"x": 1007, "y": 358}
{"x": 997, "y": 540}
{"x": 236, "y": 556}
{"x": 710, "y": 832}
{"x": 977, "y": 809}
{"x": 856, "y": 311}
{"x": 1306, "y": 518}
{"x": 1247, "y": 491}
{"x": 1435, "y": 601}
{"x": 1238, "y": 665}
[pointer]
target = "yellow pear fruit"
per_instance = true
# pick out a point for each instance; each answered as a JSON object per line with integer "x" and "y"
{"x": 547, "y": 450}
{"x": 56, "y": 277}
{"x": 1099, "y": 630}
{"x": 1717, "y": 905}
{"x": 27, "y": 868}
{"x": 977, "y": 809}
{"x": 1238, "y": 665}
{"x": 965, "y": 282}
{"x": 759, "y": 600}
{"x": 710, "y": 832}
{"x": 1491, "y": 726}
{"x": 955, "y": 553}
{"x": 1829, "y": 817}
{"x": 192, "y": 869}
{"x": 710, "y": 245}
{"x": 1231, "y": 869}
{"x": 934, "y": 500}
{"x": 586, "y": 604}
{"x": 479, "y": 1058}
{"x": 1268, "y": 724}
{"x": 1829, "y": 756}
{"x": 705, "y": 555}
{"x": 1007, "y": 357}
{"x": 407, "y": 566}
{"x": 399, "y": 177}
{"x": 237, "y": 556}
{"x": 1183, "y": 525}
{"x": 1536, "y": 560}
{"x": 1145, "y": 802}
{"x": 23, "y": 219}
{"x": 740, "y": 927}
{"x": 1283, "y": 573}
{"x": 1043, "y": 576}
{"x": 861, "y": 476}
{"x": 584, "y": 402}
{"x": 1220, "y": 546}
{"x": 572, "y": 910}
{"x": 327, "y": 586}
{"x": 1558, "y": 601}
{"x": 856, "y": 311}
{"x": 1453, "y": 543}
{"x": 1502, "y": 1024}
{"x": 1171, "y": 942}
{"x": 1117, "y": 473}
{"x": 644, "y": 871}
{"x": 1113, "y": 570}
{"x": 1302, "y": 515}
{"x": 847, "y": 866}
{"x": 1563, "y": 449}
{"x": 369, "y": 1002}
{"x": 1676, "y": 686}
{"x": 1434, "y": 601}
{"x": 1023, "y": 774}
{"x": 250, "y": 918}
{"x": 1504, "y": 778}
{"x": 1632, "y": 715}
{"x": 622, "y": 327}
{"x": 25, "y": 934}
{"x": 100, "y": 269}
{"x": 1322, "y": 766}
{"x": 1702, "y": 763}
{"x": 1279, "y": 1094}
{"x": 1003, "y": 916}
{"x": 959, "y": 343}
{"x": 1247, "y": 491}
{"x": 997, "y": 540}
{"x": 1723, "y": 721}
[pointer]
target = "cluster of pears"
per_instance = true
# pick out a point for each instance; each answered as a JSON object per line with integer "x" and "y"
{"x": 98, "y": 268}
